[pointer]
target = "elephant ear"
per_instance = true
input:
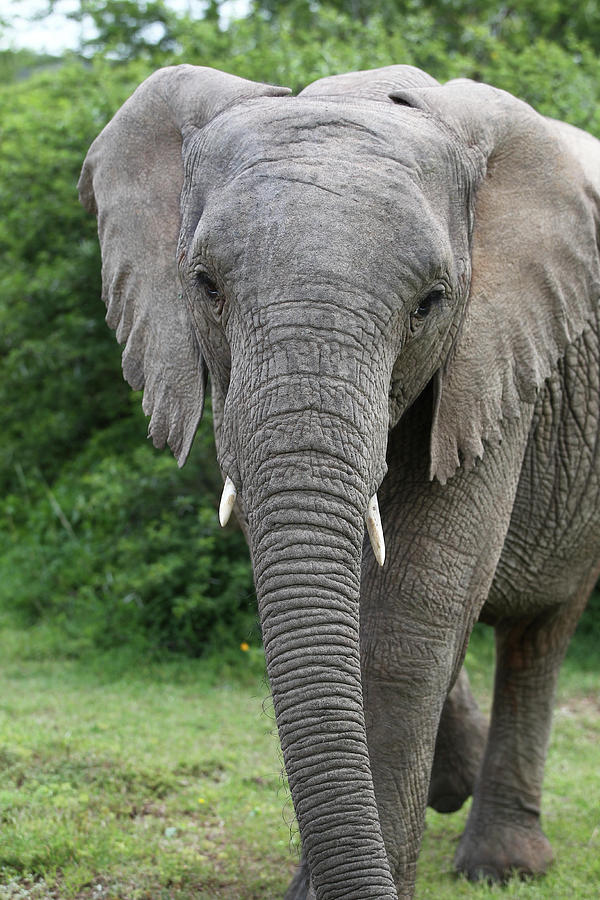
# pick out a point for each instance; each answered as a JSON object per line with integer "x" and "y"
{"x": 371, "y": 84}
{"x": 535, "y": 262}
{"x": 132, "y": 180}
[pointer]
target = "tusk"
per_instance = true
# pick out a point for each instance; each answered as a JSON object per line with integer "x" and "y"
{"x": 373, "y": 520}
{"x": 227, "y": 501}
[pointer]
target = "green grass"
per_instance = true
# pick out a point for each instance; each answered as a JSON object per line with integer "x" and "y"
{"x": 127, "y": 779}
{"x": 157, "y": 781}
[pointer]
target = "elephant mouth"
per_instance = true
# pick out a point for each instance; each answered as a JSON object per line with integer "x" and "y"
{"x": 372, "y": 518}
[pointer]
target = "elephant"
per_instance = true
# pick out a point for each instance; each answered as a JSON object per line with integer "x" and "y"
{"x": 393, "y": 284}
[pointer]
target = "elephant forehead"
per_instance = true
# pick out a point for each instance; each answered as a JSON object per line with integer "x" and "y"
{"x": 313, "y": 226}
{"x": 308, "y": 219}
{"x": 361, "y": 133}
{"x": 328, "y": 187}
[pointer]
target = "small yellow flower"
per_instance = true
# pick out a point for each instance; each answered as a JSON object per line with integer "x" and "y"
{"x": 244, "y": 646}
{"x": 201, "y": 800}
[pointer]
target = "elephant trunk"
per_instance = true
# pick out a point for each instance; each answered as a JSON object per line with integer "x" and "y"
{"x": 307, "y": 582}
{"x": 306, "y": 479}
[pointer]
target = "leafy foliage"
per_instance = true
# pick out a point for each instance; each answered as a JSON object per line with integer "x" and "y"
{"x": 127, "y": 28}
{"x": 514, "y": 26}
{"x": 121, "y": 549}
{"x": 100, "y": 534}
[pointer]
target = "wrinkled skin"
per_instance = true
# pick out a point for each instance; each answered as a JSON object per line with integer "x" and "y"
{"x": 393, "y": 286}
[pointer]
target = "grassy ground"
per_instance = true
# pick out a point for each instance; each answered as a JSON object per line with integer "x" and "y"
{"x": 163, "y": 782}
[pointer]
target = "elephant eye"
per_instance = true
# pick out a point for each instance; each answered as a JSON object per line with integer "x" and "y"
{"x": 430, "y": 301}
{"x": 211, "y": 289}
{"x": 206, "y": 283}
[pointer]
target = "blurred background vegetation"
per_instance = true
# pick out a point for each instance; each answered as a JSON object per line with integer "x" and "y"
{"x": 102, "y": 539}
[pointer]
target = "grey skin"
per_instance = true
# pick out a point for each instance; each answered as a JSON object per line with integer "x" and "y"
{"x": 394, "y": 287}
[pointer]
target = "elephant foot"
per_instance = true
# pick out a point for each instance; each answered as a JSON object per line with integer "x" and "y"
{"x": 496, "y": 853}
{"x": 300, "y": 887}
{"x": 448, "y": 790}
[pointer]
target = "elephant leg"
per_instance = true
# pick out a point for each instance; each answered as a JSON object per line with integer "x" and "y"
{"x": 403, "y": 706}
{"x": 414, "y": 630}
{"x": 443, "y": 545}
{"x": 503, "y": 833}
{"x": 459, "y": 748}
{"x": 458, "y": 752}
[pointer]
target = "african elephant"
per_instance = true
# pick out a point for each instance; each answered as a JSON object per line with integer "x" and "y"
{"x": 394, "y": 286}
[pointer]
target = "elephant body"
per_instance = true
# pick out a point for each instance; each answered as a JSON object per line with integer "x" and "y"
{"x": 394, "y": 287}
{"x": 533, "y": 594}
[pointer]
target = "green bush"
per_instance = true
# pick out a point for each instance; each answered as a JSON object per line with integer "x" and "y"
{"x": 101, "y": 534}
{"x": 126, "y": 548}
{"x": 587, "y": 636}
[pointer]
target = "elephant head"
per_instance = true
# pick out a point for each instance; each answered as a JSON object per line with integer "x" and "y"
{"x": 324, "y": 257}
